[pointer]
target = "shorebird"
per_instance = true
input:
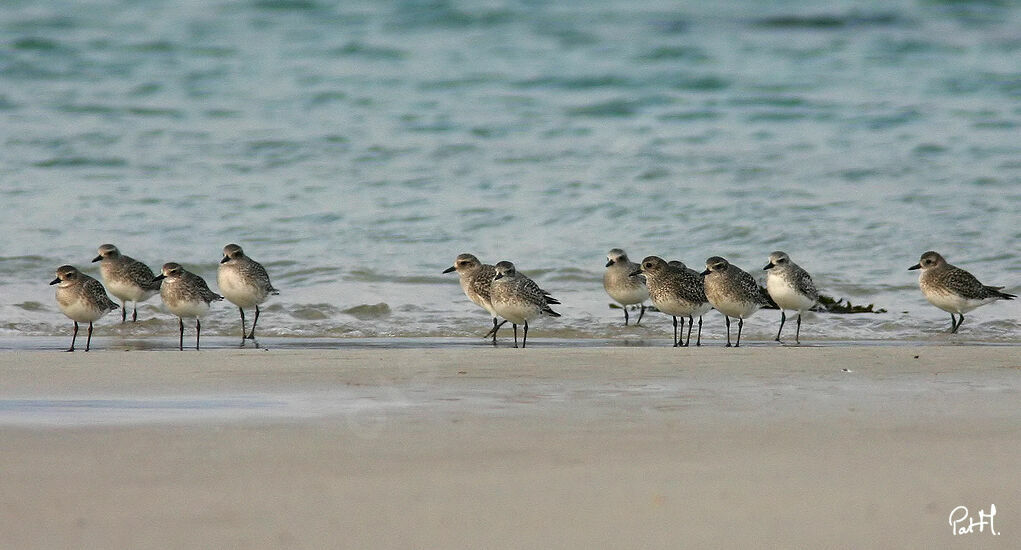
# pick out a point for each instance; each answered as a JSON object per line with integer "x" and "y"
{"x": 732, "y": 291}
{"x": 82, "y": 299}
{"x": 186, "y": 295}
{"x": 518, "y": 299}
{"x": 791, "y": 287}
{"x": 476, "y": 281}
{"x": 622, "y": 284}
{"x": 244, "y": 282}
{"x": 128, "y": 279}
{"x": 953, "y": 289}
{"x": 676, "y": 291}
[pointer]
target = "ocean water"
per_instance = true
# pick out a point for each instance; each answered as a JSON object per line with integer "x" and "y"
{"x": 355, "y": 148}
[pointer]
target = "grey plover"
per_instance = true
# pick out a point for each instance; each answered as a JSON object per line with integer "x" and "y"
{"x": 186, "y": 295}
{"x": 678, "y": 292}
{"x": 128, "y": 279}
{"x": 82, "y": 299}
{"x": 244, "y": 282}
{"x": 476, "y": 281}
{"x": 732, "y": 291}
{"x": 677, "y": 264}
{"x": 622, "y": 284}
{"x": 953, "y": 289}
{"x": 791, "y": 287}
{"x": 518, "y": 299}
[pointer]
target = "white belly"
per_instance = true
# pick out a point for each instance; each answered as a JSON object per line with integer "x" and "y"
{"x": 516, "y": 313}
{"x": 189, "y": 309}
{"x": 81, "y": 312}
{"x": 741, "y": 310}
{"x": 952, "y": 303}
{"x": 240, "y": 293}
{"x": 629, "y": 295}
{"x": 127, "y": 292}
{"x": 785, "y": 296}
{"x": 679, "y": 308}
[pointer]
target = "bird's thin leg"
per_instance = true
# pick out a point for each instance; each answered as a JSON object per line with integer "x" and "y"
{"x": 180, "y": 343}
{"x": 625, "y": 316}
{"x": 251, "y": 336}
{"x": 88, "y": 341}
{"x": 73, "y": 336}
{"x": 698, "y": 341}
{"x": 691, "y": 323}
{"x": 960, "y": 321}
{"x": 134, "y": 312}
{"x": 740, "y": 325}
{"x": 675, "y": 331}
{"x": 198, "y": 332}
{"x": 524, "y": 340}
{"x": 515, "y": 334}
{"x": 680, "y": 338}
{"x": 783, "y": 318}
{"x": 640, "y": 313}
{"x": 124, "y": 311}
{"x": 243, "y": 328}
{"x": 728, "y": 331}
{"x": 797, "y": 335}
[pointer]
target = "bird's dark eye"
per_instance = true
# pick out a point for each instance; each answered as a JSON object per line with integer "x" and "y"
{"x": 648, "y": 265}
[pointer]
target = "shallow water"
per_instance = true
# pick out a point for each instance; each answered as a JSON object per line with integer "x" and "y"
{"x": 355, "y": 148}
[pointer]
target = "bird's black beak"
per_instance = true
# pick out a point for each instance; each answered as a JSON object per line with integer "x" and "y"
{"x": 159, "y": 277}
{"x": 225, "y": 259}
{"x": 609, "y": 263}
{"x": 635, "y": 272}
{"x": 914, "y": 267}
{"x": 498, "y": 276}
{"x": 704, "y": 273}
{"x": 770, "y": 265}
{"x": 55, "y": 281}
{"x": 449, "y": 269}
{"x": 97, "y": 258}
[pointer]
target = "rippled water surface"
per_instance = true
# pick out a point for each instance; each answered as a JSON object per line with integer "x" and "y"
{"x": 355, "y": 148}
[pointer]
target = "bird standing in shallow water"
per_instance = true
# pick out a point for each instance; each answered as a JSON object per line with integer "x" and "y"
{"x": 186, "y": 295}
{"x": 476, "y": 282}
{"x": 518, "y": 299}
{"x": 732, "y": 291}
{"x": 128, "y": 279}
{"x": 676, "y": 291}
{"x": 621, "y": 283}
{"x": 244, "y": 282}
{"x": 953, "y": 289}
{"x": 791, "y": 287}
{"x": 82, "y": 298}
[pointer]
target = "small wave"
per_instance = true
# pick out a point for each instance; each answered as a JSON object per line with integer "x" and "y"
{"x": 829, "y": 21}
{"x": 368, "y": 311}
{"x": 82, "y": 162}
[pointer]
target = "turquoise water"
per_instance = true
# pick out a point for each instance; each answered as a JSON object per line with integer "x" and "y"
{"x": 355, "y": 148}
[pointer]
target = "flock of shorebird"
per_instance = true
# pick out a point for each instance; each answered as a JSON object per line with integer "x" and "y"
{"x": 505, "y": 293}
{"x": 684, "y": 293}
{"x": 241, "y": 279}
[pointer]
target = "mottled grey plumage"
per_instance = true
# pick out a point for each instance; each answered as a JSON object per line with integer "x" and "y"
{"x": 791, "y": 287}
{"x": 732, "y": 291}
{"x": 953, "y": 289}
{"x": 622, "y": 284}
{"x": 676, "y": 291}
{"x": 81, "y": 298}
{"x": 186, "y": 295}
{"x": 518, "y": 299}
{"x": 244, "y": 282}
{"x": 476, "y": 281}
{"x": 128, "y": 279}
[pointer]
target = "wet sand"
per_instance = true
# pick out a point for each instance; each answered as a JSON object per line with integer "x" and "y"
{"x": 503, "y": 448}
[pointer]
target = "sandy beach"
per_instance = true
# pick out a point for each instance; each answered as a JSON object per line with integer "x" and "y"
{"x": 855, "y": 447}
